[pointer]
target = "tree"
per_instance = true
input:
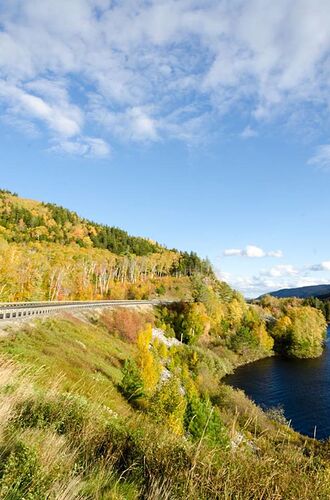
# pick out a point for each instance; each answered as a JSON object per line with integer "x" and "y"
{"x": 131, "y": 385}
{"x": 168, "y": 405}
{"x": 300, "y": 333}
{"x": 202, "y": 420}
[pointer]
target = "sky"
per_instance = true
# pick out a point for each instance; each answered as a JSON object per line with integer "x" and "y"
{"x": 203, "y": 125}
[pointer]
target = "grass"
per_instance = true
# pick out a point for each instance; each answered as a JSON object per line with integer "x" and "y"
{"x": 66, "y": 432}
{"x": 79, "y": 356}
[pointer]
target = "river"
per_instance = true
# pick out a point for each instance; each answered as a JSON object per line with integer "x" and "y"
{"x": 300, "y": 387}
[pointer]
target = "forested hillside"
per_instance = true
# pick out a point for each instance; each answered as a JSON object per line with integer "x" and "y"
{"x": 49, "y": 252}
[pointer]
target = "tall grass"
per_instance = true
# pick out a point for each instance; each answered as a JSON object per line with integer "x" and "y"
{"x": 59, "y": 441}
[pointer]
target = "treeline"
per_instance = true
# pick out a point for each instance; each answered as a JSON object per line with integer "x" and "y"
{"x": 49, "y": 271}
{"x": 322, "y": 305}
{"x": 27, "y": 221}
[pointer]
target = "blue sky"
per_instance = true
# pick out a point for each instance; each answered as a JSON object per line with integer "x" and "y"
{"x": 203, "y": 125}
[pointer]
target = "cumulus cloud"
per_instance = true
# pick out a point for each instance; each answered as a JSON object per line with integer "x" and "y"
{"x": 278, "y": 277}
{"x": 279, "y": 271}
{"x": 251, "y": 251}
{"x": 323, "y": 266}
{"x": 160, "y": 68}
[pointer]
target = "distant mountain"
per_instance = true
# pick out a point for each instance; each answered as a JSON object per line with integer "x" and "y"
{"x": 303, "y": 292}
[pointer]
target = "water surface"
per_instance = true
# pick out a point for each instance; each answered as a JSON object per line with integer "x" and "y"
{"x": 301, "y": 387}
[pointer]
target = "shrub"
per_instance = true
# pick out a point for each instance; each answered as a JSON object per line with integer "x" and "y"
{"x": 251, "y": 334}
{"x": 161, "y": 290}
{"x": 202, "y": 420}
{"x": 66, "y": 413}
{"x": 168, "y": 405}
{"x": 125, "y": 322}
{"x": 188, "y": 320}
{"x": 132, "y": 384}
{"x": 276, "y": 413}
{"x": 21, "y": 476}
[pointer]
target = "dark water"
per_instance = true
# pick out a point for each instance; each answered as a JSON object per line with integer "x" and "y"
{"x": 301, "y": 387}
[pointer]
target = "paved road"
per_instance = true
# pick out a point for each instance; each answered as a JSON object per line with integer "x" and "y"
{"x": 13, "y": 311}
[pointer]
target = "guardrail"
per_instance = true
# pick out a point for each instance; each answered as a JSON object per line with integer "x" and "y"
{"x": 13, "y": 311}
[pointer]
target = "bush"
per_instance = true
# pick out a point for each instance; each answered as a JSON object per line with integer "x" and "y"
{"x": 202, "y": 420}
{"x": 65, "y": 414}
{"x": 126, "y": 323}
{"x": 168, "y": 405}
{"x": 131, "y": 386}
{"x": 21, "y": 476}
{"x": 251, "y": 334}
{"x": 188, "y": 321}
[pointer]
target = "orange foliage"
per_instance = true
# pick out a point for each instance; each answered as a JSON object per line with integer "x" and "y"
{"x": 126, "y": 322}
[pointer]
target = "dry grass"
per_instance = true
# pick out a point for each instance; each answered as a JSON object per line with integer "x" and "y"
{"x": 71, "y": 446}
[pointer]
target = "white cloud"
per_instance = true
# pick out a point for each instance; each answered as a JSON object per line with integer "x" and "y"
{"x": 249, "y": 133}
{"x": 321, "y": 157}
{"x": 324, "y": 266}
{"x": 251, "y": 251}
{"x": 275, "y": 253}
{"x": 280, "y": 271}
{"x": 277, "y": 278}
{"x": 148, "y": 62}
{"x": 62, "y": 117}
{"x": 89, "y": 147}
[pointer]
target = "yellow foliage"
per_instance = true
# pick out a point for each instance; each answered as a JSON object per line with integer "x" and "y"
{"x": 148, "y": 366}
{"x": 236, "y": 310}
{"x": 266, "y": 341}
{"x": 282, "y": 326}
{"x": 169, "y": 405}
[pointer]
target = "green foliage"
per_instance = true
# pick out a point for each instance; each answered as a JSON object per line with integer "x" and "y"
{"x": 161, "y": 290}
{"x": 60, "y": 225}
{"x": 190, "y": 264}
{"x": 131, "y": 386}
{"x": 322, "y": 305}
{"x": 244, "y": 338}
{"x": 5, "y": 192}
{"x": 188, "y": 320}
{"x": 168, "y": 405}
{"x": 21, "y": 476}
{"x": 119, "y": 242}
{"x": 251, "y": 334}
{"x": 202, "y": 421}
{"x": 66, "y": 413}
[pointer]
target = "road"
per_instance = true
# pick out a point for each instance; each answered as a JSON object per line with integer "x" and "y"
{"x": 16, "y": 311}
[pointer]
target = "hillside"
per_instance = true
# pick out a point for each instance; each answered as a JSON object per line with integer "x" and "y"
{"x": 109, "y": 406}
{"x": 317, "y": 291}
{"x": 49, "y": 253}
{"x": 129, "y": 403}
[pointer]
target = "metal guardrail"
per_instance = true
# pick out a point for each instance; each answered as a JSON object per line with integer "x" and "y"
{"x": 13, "y": 311}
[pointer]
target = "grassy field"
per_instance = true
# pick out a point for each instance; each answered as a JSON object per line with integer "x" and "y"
{"x": 67, "y": 432}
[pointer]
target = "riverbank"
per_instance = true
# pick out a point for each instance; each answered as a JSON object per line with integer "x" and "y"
{"x": 300, "y": 387}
